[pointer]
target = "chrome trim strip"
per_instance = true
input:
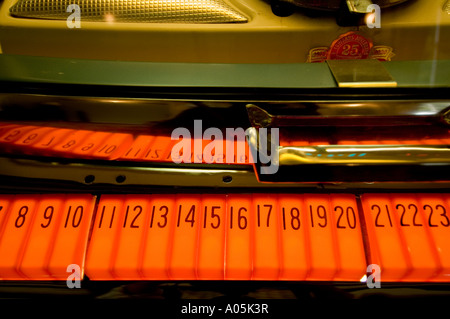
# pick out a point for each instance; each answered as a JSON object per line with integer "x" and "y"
{"x": 365, "y": 154}
{"x": 343, "y": 113}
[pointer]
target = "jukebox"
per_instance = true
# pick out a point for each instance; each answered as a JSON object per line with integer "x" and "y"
{"x": 207, "y": 148}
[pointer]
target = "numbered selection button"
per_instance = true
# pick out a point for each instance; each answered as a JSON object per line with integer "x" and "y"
{"x": 137, "y": 149}
{"x": 113, "y": 146}
{"x": 322, "y": 238}
{"x": 267, "y": 246}
{"x": 211, "y": 245}
{"x": 13, "y": 133}
{"x": 42, "y": 236}
{"x": 415, "y": 236}
{"x": 295, "y": 245}
{"x": 160, "y": 150}
{"x": 436, "y": 216}
{"x": 33, "y": 136}
{"x": 239, "y": 245}
{"x": 129, "y": 238}
{"x": 14, "y": 235}
{"x": 101, "y": 253}
{"x": 349, "y": 243}
{"x": 45, "y": 145}
{"x": 158, "y": 238}
{"x": 69, "y": 142}
{"x": 71, "y": 235}
{"x": 93, "y": 141}
{"x": 388, "y": 247}
{"x": 183, "y": 258}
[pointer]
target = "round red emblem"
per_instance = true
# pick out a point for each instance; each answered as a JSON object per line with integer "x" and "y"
{"x": 350, "y": 46}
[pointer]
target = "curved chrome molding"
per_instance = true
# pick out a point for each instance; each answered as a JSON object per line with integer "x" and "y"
{"x": 365, "y": 154}
{"x": 342, "y": 113}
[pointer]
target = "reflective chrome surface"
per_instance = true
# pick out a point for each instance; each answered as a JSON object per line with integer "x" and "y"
{"x": 360, "y": 73}
{"x": 172, "y": 112}
{"x": 365, "y": 154}
{"x": 341, "y": 113}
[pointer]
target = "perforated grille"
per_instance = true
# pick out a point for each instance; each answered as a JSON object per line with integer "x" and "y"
{"x": 162, "y": 11}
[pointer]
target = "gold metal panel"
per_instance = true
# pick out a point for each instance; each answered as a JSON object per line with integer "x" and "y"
{"x": 361, "y": 73}
{"x": 265, "y": 38}
{"x": 358, "y": 6}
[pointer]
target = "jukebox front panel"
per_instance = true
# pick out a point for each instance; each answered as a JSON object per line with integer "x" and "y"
{"x": 224, "y": 143}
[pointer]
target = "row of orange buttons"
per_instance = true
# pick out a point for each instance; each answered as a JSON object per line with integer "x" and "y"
{"x": 226, "y": 237}
{"x": 86, "y": 144}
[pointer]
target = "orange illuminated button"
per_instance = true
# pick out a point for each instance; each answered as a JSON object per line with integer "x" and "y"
{"x": 14, "y": 133}
{"x": 388, "y": 247}
{"x": 107, "y": 226}
{"x": 113, "y": 146}
{"x": 160, "y": 149}
{"x": 239, "y": 252}
{"x": 267, "y": 248}
{"x": 197, "y": 150}
{"x": 91, "y": 144}
{"x": 33, "y": 136}
{"x": 242, "y": 153}
{"x": 71, "y": 235}
{"x": 419, "y": 244}
{"x": 71, "y": 141}
{"x": 431, "y": 141}
{"x": 211, "y": 240}
{"x": 184, "y": 240}
{"x": 368, "y": 142}
{"x": 389, "y": 142}
{"x": 158, "y": 237}
{"x": 128, "y": 242}
{"x": 42, "y": 238}
{"x": 412, "y": 142}
{"x": 13, "y": 238}
{"x": 349, "y": 242}
{"x": 220, "y": 155}
{"x": 208, "y": 151}
{"x": 236, "y": 148}
{"x": 435, "y": 210}
{"x": 318, "y": 140}
{"x": 301, "y": 142}
{"x": 294, "y": 238}
{"x": 167, "y": 153}
{"x": 5, "y": 203}
{"x": 214, "y": 152}
{"x": 138, "y": 148}
{"x": 181, "y": 151}
{"x": 50, "y": 140}
{"x": 348, "y": 142}
{"x": 322, "y": 237}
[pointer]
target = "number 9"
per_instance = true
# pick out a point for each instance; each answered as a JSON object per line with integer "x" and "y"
{"x": 48, "y": 215}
